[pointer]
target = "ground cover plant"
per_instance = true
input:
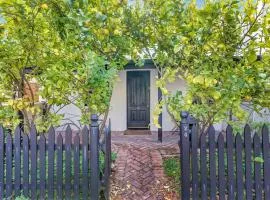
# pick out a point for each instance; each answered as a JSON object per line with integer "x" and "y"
{"x": 172, "y": 169}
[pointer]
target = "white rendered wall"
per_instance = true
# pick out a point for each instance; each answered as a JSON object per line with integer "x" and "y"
{"x": 118, "y": 107}
{"x": 72, "y": 116}
{"x": 177, "y": 85}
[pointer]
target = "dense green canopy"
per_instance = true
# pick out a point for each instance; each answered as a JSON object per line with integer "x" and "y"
{"x": 75, "y": 49}
{"x": 214, "y": 48}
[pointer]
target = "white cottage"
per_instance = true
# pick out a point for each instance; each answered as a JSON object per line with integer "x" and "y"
{"x": 134, "y": 97}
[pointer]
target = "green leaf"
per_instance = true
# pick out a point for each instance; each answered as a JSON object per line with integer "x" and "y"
{"x": 177, "y": 48}
{"x": 252, "y": 57}
{"x": 263, "y": 75}
{"x": 259, "y": 159}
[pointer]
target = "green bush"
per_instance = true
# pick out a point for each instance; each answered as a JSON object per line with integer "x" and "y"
{"x": 172, "y": 170}
{"x": 21, "y": 198}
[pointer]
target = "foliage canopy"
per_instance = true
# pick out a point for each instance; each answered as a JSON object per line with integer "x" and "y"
{"x": 74, "y": 49}
{"x": 221, "y": 49}
{"x": 71, "y": 49}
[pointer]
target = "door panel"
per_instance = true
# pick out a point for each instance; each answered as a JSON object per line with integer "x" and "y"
{"x": 138, "y": 99}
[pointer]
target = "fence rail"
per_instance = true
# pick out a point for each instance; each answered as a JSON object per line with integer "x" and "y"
{"x": 224, "y": 166}
{"x": 55, "y": 166}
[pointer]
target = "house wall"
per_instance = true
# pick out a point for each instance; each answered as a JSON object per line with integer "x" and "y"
{"x": 118, "y": 107}
{"x": 168, "y": 123}
{"x": 72, "y": 115}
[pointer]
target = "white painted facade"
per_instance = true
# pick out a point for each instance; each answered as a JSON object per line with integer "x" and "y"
{"x": 118, "y": 107}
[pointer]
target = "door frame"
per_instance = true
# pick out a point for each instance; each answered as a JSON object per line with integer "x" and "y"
{"x": 149, "y": 101}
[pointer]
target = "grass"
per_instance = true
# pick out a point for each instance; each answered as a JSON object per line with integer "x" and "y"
{"x": 172, "y": 170}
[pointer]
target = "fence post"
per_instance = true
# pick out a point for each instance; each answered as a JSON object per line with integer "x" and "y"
{"x": 185, "y": 156}
{"x": 2, "y": 162}
{"x": 160, "y": 137}
{"x": 94, "y": 158}
{"x": 110, "y": 143}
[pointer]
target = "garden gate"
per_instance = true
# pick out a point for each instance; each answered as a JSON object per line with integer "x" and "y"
{"x": 55, "y": 166}
{"x": 223, "y": 166}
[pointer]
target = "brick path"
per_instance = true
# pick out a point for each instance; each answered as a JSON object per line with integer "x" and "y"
{"x": 138, "y": 169}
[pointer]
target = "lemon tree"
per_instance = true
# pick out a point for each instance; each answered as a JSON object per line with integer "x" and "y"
{"x": 71, "y": 49}
{"x": 220, "y": 48}
{"x": 100, "y": 27}
{"x": 30, "y": 47}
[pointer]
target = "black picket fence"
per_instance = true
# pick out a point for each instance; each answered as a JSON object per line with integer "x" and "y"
{"x": 55, "y": 166}
{"x": 223, "y": 166}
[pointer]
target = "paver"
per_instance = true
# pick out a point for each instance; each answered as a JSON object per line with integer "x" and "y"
{"x": 138, "y": 169}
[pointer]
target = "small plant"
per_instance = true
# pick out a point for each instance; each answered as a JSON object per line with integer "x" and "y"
{"x": 102, "y": 160}
{"x": 113, "y": 156}
{"x": 22, "y": 197}
{"x": 259, "y": 159}
{"x": 172, "y": 170}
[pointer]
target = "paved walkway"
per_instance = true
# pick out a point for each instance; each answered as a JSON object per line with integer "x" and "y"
{"x": 138, "y": 169}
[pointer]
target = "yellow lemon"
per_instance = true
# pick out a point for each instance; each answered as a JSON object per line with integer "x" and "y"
{"x": 44, "y": 6}
{"x": 87, "y": 23}
{"x": 248, "y": 98}
{"x": 117, "y": 32}
{"x": 106, "y": 32}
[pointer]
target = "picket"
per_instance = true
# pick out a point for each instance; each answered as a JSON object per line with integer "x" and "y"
{"x": 194, "y": 152}
{"x": 25, "y": 165}
{"x": 107, "y": 170}
{"x": 94, "y": 158}
{"x": 248, "y": 174}
{"x": 59, "y": 166}
{"x": 230, "y": 162}
{"x": 212, "y": 162}
{"x": 203, "y": 163}
{"x": 51, "y": 142}
{"x": 221, "y": 168}
{"x": 109, "y": 143}
{"x": 17, "y": 159}
{"x": 257, "y": 167}
{"x": 76, "y": 166}
{"x": 33, "y": 147}
{"x": 68, "y": 142}
{"x": 239, "y": 168}
{"x": 1, "y": 162}
{"x": 85, "y": 164}
{"x": 266, "y": 164}
{"x": 42, "y": 166}
{"x": 9, "y": 158}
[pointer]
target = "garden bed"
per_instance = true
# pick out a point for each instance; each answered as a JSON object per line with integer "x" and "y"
{"x": 171, "y": 166}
